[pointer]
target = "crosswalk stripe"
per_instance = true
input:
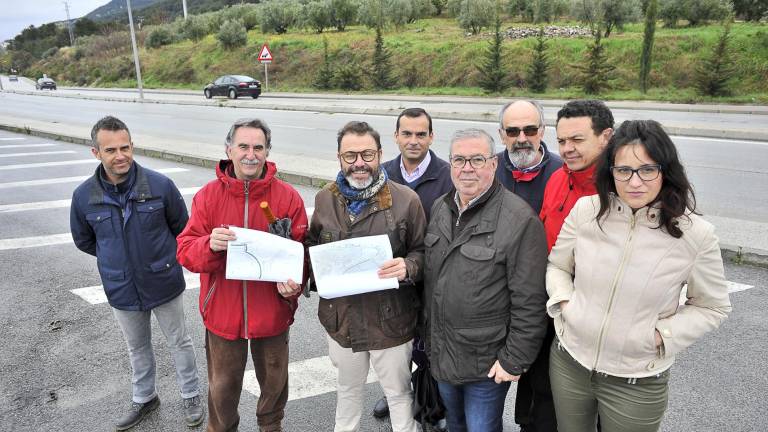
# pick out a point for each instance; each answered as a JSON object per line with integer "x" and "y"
{"x": 95, "y": 294}
{"x": 736, "y": 287}
{"x": 37, "y": 241}
{"x": 48, "y": 164}
{"x": 25, "y": 145}
{"x": 12, "y": 139}
{"x": 7, "y": 155}
{"x": 58, "y": 180}
{"x": 46, "y": 205}
{"x": 306, "y": 378}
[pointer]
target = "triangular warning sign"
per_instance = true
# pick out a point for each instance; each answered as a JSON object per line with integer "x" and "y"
{"x": 265, "y": 54}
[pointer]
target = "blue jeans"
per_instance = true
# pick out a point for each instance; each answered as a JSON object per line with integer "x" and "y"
{"x": 474, "y": 407}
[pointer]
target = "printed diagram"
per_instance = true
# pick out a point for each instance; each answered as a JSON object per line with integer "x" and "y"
{"x": 257, "y": 255}
{"x": 350, "y": 267}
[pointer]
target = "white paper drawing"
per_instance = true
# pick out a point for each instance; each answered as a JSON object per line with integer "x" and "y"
{"x": 349, "y": 267}
{"x": 261, "y": 256}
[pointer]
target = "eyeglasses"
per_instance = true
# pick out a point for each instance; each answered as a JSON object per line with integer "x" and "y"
{"x": 476, "y": 162}
{"x": 350, "y": 157}
{"x": 514, "y": 131}
{"x": 409, "y": 134}
{"x": 645, "y": 172}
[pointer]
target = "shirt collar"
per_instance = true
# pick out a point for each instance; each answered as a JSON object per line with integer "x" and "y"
{"x": 418, "y": 172}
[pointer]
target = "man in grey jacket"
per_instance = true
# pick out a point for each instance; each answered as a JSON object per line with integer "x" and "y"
{"x": 485, "y": 266}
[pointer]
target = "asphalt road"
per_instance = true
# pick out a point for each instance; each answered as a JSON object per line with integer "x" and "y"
{"x": 64, "y": 364}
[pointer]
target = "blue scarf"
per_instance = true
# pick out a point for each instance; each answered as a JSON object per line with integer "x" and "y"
{"x": 357, "y": 199}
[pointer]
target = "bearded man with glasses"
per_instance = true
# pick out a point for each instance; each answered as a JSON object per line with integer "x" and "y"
{"x": 485, "y": 263}
{"x": 526, "y": 165}
{"x": 374, "y": 328}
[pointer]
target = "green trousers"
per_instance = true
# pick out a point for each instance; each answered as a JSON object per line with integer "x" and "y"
{"x": 624, "y": 405}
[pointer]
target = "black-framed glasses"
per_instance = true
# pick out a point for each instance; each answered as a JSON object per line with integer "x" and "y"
{"x": 529, "y": 131}
{"x": 648, "y": 172}
{"x": 408, "y": 134}
{"x": 476, "y": 161}
{"x": 350, "y": 157}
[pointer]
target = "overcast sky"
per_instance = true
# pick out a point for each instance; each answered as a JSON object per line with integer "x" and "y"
{"x": 16, "y": 15}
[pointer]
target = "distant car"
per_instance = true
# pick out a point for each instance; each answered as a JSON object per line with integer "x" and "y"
{"x": 13, "y": 78}
{"x": 45, "y": 83}
{"x": 233, "y": 86}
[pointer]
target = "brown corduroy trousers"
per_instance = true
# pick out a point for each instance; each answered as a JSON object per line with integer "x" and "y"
{"x": 226, "y": 367}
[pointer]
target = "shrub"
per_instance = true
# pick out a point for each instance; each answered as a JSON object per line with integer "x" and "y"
{"x": 158, "y": 37}
{"x": 278, "y": 16}
{"x": 343, "y": 13}
{"x": 232, "y": 34}
{"x": 474, "y": 15}
{"x": 493, "y": 76}
{"x": 195, "y": 27}
{"x": 324, "y": 79}
{"x": 348, "y": 77}
{"x": 381, "y": 68}
{"x": 694, "y": 11}
{"x": 596, "y": 71}
{"x": 317, "y": 15}
{"x": 714, "y": 74}
{"x": 537, "y": 71}
{"x": 50, "y": 52}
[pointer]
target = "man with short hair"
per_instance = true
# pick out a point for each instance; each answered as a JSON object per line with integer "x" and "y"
{"x": 128, "y": 217}
{"x": 584, "y": 128}
{"x": 374, "y": 328}
{"x": 419, "y": 168}
{"x": 526, "y": 164}
{"x": 242, "y": 316}
{"x": 486, "y": 259}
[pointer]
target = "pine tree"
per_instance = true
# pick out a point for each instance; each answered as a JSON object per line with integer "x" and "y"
{"x": 537, "y": 71}
{"x": 596, "y": 72}
{"x": 713, "y": 75}
{"x": 646, "y": 55}
{"x": 493, "y": 77}
{"x": 324, "y": 79}
{"x": 382, "y": 69}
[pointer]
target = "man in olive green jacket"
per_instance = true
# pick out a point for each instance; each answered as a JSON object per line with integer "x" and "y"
{"x": 376, "y": 327}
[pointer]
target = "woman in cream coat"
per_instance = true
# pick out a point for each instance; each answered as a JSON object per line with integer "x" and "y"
{"x": 615, "y": 278}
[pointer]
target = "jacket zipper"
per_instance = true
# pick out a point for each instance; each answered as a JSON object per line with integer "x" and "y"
{"x": 245, "y": 283}
{"x": 614, "y": 284}
{"x": 208, "y": 296}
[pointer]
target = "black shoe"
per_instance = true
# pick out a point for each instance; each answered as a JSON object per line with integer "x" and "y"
{"x": 381, "y": 409}
{"x": 193, "y": 411}
{"x": 136, "y": 414}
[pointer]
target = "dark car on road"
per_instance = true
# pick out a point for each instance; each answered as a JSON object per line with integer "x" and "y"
{"x": 45, "y": 83}
{"x": 233, "y": 86}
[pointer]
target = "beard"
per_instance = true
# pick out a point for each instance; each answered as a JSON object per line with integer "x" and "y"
{"x": 523, "y": 155}
{"x": 359, "y": 184}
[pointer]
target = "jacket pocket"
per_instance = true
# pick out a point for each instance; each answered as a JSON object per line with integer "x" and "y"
{"x": 101, "y": 224}
{"x": 398, "y": 317}
{"x": 328, "y": 316}
{"x": 481, "y": 346}
{"x": 328, "y": 236}
{"x": 430, "y": 239}
{"x": 162, "y": 265}
{"x": 480, "y": 266}
{"x": 152, "y": 215}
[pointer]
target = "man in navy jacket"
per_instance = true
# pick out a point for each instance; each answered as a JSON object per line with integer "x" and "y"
{"x": 128, "y": 217}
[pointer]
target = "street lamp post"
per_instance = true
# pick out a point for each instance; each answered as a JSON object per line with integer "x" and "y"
{"x": 135, "y": 52}
{"x": 184, "y": 5}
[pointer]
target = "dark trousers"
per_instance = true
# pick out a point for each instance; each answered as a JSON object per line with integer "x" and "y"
{"x": 226, "y": 367}
{"x": 474, "y": 407}
{"x": 534, "y": 407}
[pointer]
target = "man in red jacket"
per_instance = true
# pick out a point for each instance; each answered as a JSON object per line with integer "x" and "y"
{"x": 238, "y": 313}
{"x": 583, "y": 130}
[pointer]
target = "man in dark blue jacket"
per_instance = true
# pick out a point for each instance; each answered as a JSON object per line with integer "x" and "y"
{"x": 526, "y": 164}
{"x": 422, "y": 170}
{"x": 128, "y": 217}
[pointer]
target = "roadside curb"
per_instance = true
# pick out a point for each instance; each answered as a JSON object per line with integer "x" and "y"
{"x": 445, "y": 115}
{"x": 735, "y": 254}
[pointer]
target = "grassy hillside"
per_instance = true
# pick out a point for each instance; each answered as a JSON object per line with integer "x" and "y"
{"x": 444, "y": 57}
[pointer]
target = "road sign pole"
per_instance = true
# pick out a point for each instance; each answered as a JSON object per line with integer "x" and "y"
{"x": 266, "y": 77}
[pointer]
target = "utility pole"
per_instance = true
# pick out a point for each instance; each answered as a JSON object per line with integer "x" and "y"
{"x": 184, "y": 4}
{"x": 69, "y": 26}
{"x": 135, "y": 51}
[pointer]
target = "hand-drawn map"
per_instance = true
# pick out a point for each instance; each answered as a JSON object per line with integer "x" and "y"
{"x": 349, "y": 267}
{"x": 261, "y": 256}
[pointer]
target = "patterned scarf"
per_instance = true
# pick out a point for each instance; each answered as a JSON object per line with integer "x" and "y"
{"x": 357, "y": 199}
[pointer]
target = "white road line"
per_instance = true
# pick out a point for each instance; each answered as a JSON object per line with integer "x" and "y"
{"x": 12, "y": 139}
{"x": 306, "y": 378}
{"x": 736, "y": 287}
{"x": 73, "y": 179}
{"x": 718, "y": 139}
{"x": 45, "y": 205}
{"x": 28, "y": 242}
{"x": 95, "y": 294}
{"x": 26, "y": 145}
{"x": 7, "y": 155}
{"x": 47, "y": 164}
